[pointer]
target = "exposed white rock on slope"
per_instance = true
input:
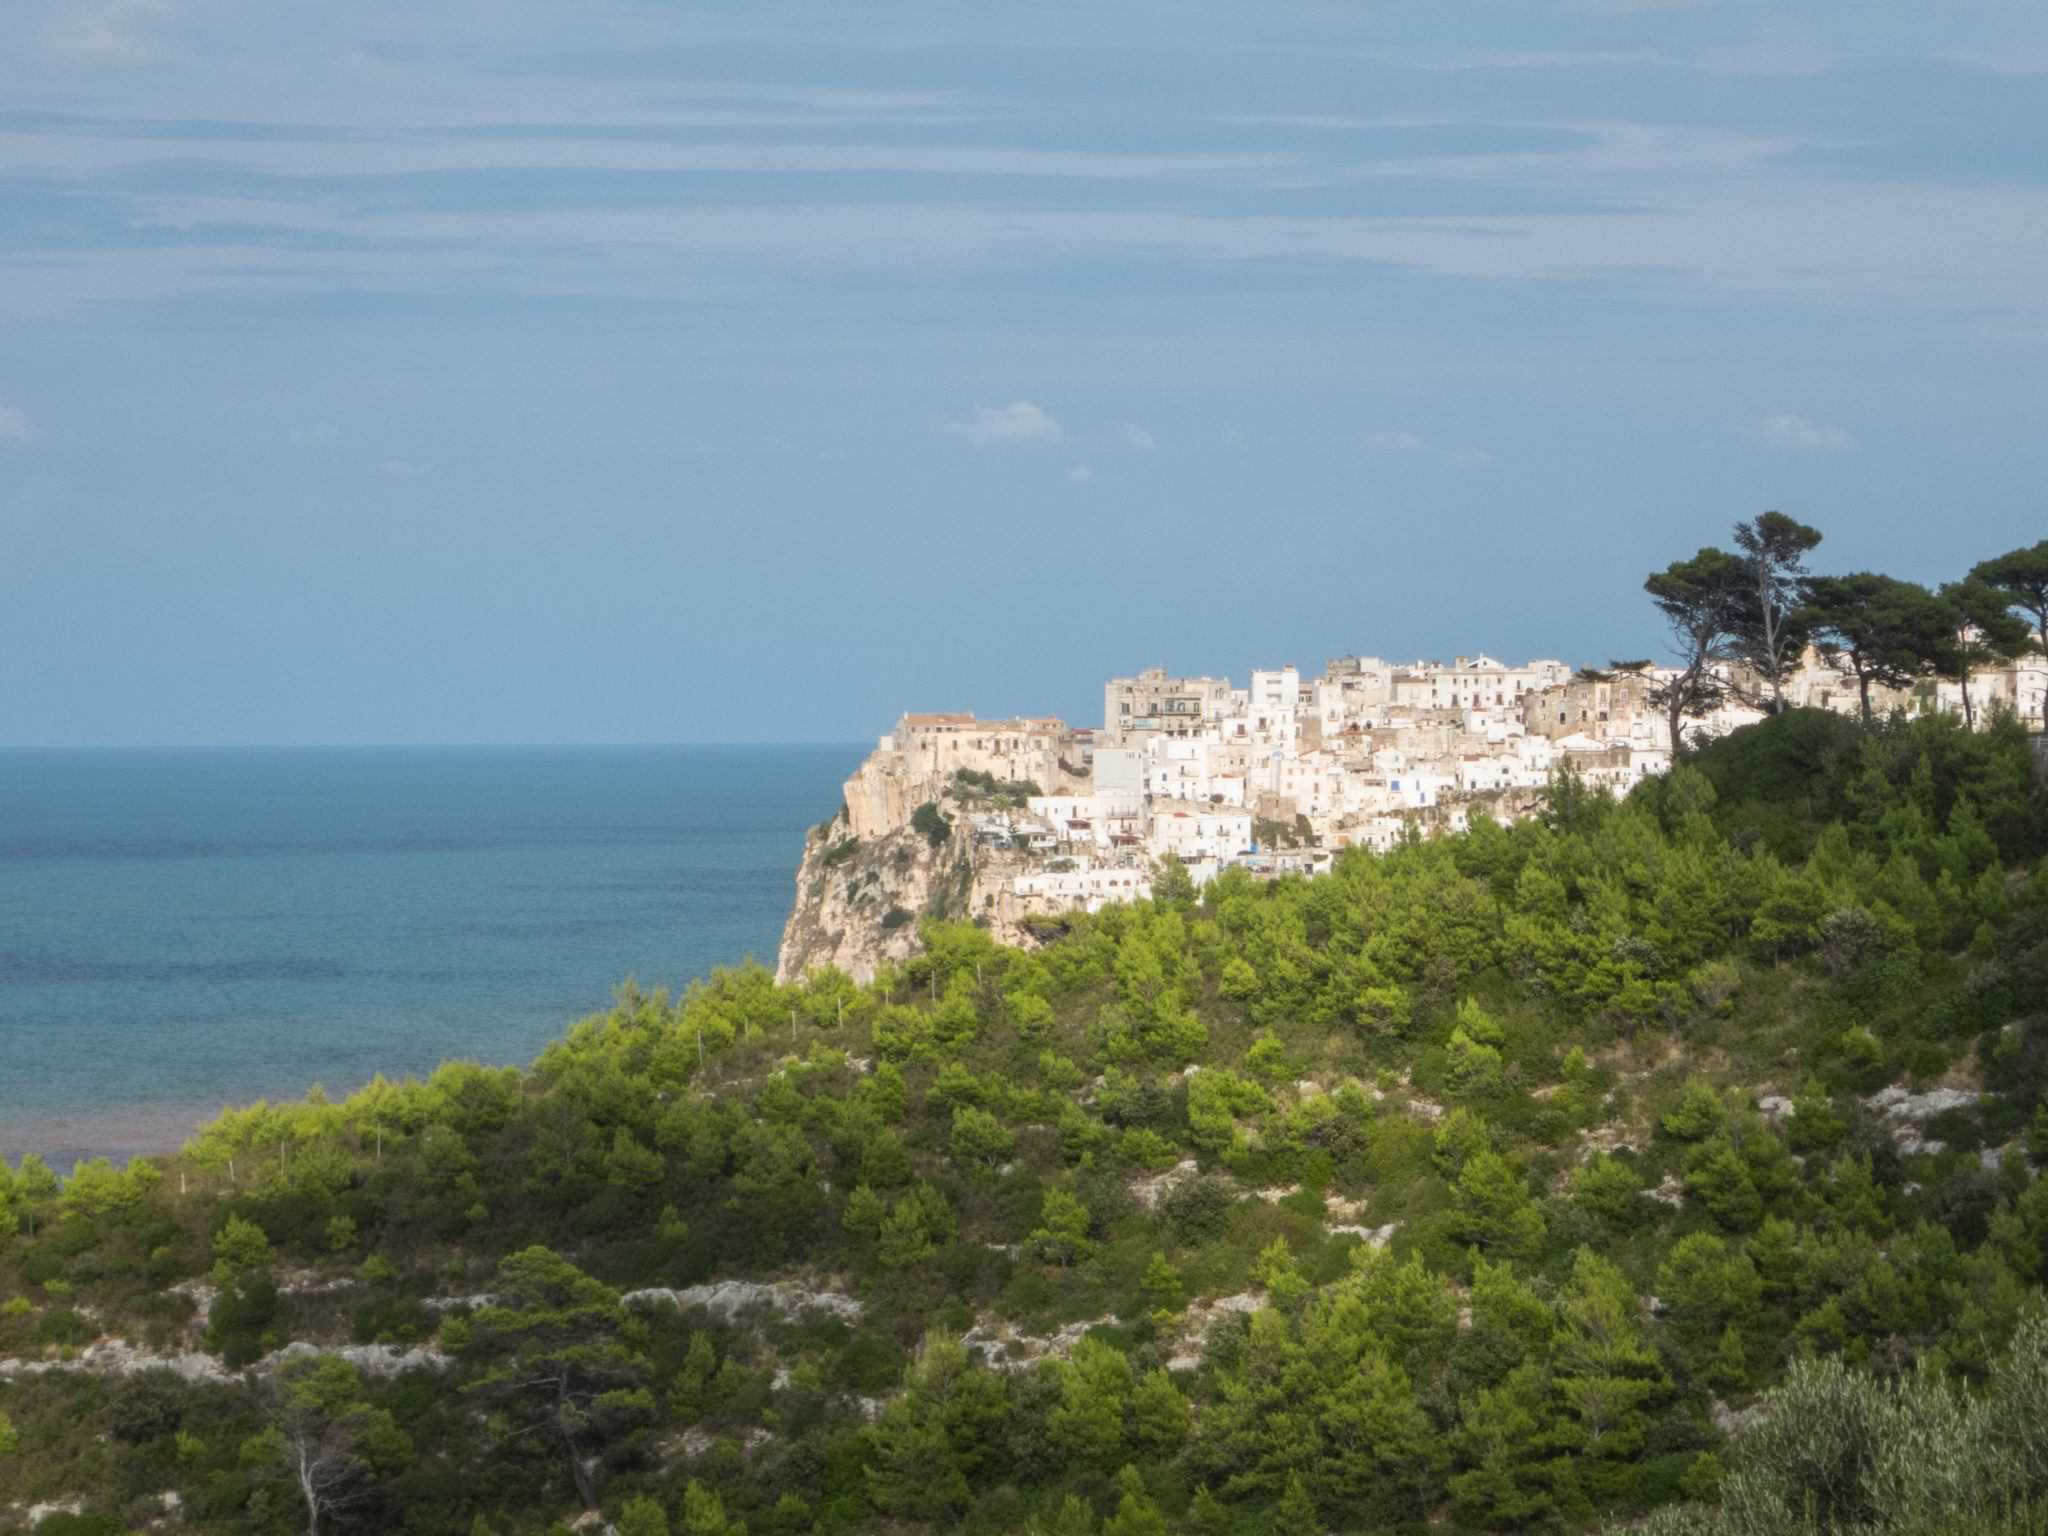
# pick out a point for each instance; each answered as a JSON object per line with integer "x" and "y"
{"x": 474, "y": 1303}
{"x": 1200, "y": 1320}
{"x": 1895, "y": 1103}
{"x": 117, "y": 1357}
{"x": 722, "y": 1298}
{"x": 696, "y": 1440}
{"x": 1005, "y": 1349}
{"x": 1149, "y": 1189}
{"x": 1373, "y": 1237}
{"x": 1909, "y": 1112}
{"x": 1204, "y": 1315}
{"x": 729, "y": 1298}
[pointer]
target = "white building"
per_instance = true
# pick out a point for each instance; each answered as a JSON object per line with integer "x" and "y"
{"x": 1193, "y": 832}
{"x": 1134, "y": 709}
{"x": 1120, "y": 770}
{"x": 1088, "y": 888}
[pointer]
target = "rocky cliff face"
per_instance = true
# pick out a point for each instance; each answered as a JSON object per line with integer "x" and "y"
{"x": 868, "y": 875}
{"x": 859, "y": 899}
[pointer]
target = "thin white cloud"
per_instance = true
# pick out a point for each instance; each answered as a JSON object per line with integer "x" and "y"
{"x": 2023, "y": 59}
{"x": 1554, "y": 58}
{"x": 1422, "y": 447}
{"x": 1393, "y": 442}
{"x": 1712, "y": 215}
{"x": 1137, "y": 439}
{"x": 118, "y": 32}
{"x": 1018, "y": 422}
{"x": 1080, "y": 474}
{"x": 397, "y": 153}
{"x": 1630, "y": 7}
{"x": 316, "y": 434}
{"x": 1785, "y": 46}
{"x": 15, "y": 427}
{"x": 403, "y": 469}
{"x": 1973, "y": 249}
{"x": 1795, "y": 432}
{"x": 1781, "y": 60}
{"x": 813, "y": 102}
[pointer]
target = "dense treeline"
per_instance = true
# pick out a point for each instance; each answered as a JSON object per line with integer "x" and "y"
{"x": 1526, "y": 1158}
{"x": 1759, "y": 607}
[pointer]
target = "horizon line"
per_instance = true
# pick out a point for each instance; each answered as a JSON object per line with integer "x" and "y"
{"x": 410, "y": 746}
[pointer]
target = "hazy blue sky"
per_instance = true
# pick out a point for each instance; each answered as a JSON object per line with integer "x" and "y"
{"x": 500, "y": 371}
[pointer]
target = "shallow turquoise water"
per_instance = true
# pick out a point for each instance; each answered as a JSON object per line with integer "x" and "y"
{"x": 182, "y": 929}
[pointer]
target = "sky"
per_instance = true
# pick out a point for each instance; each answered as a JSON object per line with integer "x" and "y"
{"x": 492, "y": 371}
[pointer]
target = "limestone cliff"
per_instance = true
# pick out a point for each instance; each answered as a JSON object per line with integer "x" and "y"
{"x": 859, "y": 899}
{"x": 868, "y": 875}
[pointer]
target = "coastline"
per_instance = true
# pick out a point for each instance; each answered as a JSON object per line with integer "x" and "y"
{"x": 117, "y": 1131}
{"x": 188, "y": 930}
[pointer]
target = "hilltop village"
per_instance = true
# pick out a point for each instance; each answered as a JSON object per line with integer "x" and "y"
{"x": 1008, "y": 821}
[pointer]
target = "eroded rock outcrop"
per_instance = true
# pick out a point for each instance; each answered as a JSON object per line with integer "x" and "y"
{"x": 728, "y": 1299}
{"x": 858, "y": 900}
{"x": 872, "y": 871}
{"x": 117, "y": 1357}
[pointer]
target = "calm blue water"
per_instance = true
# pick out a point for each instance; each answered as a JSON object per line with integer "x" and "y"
{"x": 183, "y": 929}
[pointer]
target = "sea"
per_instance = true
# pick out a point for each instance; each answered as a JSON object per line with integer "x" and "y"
{"x": 186, "y": 929}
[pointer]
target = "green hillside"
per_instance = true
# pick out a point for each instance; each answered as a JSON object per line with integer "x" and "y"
{"x": 1482, "y": 1186}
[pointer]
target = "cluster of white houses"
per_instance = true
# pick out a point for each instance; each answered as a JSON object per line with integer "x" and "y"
{"x": 1278, "y": 775}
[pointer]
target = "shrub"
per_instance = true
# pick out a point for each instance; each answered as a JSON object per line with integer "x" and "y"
{"x": 931, "y": 823}
{"x": 1197, "y": 1208}
{"x": 62, "y": 1326}
{"x": 65, "y": 1524}
{"x": 237, "y": 1326}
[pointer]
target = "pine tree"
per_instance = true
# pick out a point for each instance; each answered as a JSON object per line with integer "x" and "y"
{"x": 1136, "y": 1514}
{"x": 1206, "y": 1516}
{"x": 1493, "y": 1208}
{"x": 1379, "y": 1449}
{"x": 1606, "y": 1370}
{"x": 1295, "y": 1514}
{"x": 911, "y": 1470}
{"x": 1095, "y": 1388}
{"x": 557, "y": 1338}
{"x": 1280, "y": 1275}
{"x": 704, "y": 1513}
{"x": 1074, "y": 1518}
{"x": 1062, "y": 1235}
{"x": 1159, "y": 1414}
{"x": 1504, "y": 1442}
{"x": 690, "y": 1393}
{"x": 1164, "y": 1291}
{"x": 1730, "y": 1369}
{"x": 642, "y": 1516}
